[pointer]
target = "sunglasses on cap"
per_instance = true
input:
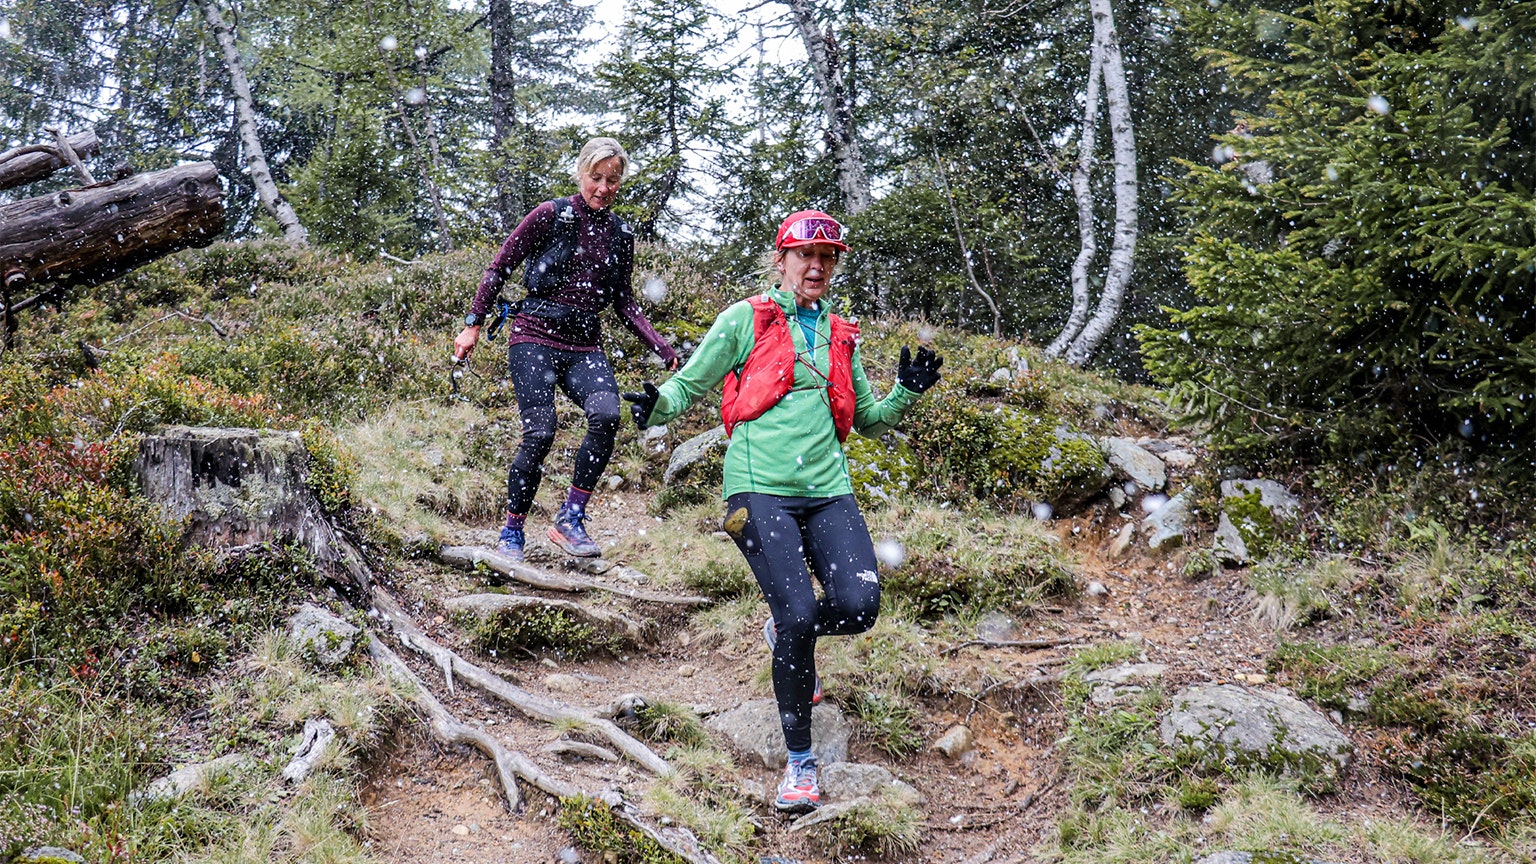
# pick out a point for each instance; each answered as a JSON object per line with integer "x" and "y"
{"x": 812, "y": 228}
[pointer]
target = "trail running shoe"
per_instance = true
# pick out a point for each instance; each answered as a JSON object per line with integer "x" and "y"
{"x": 568, "y": 533}
{"x": 511, "y": 543}
{"x": 771, "y": 636}
{"x": 799, "y": 791}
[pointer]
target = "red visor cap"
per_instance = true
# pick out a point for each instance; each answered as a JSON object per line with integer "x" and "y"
{"x": 810, "y": 226}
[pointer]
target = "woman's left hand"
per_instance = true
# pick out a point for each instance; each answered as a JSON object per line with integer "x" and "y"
{"x": 921, "y": 373}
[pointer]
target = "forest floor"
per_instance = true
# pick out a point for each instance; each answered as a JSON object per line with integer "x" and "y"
{"x": 999, "y": 802}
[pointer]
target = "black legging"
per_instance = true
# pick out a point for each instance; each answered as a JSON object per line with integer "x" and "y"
{"x": 780, "y": 535}
{"x": 587, "y": 379}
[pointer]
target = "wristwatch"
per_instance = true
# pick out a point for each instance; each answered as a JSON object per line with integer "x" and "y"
{"x": 473, "y": 320}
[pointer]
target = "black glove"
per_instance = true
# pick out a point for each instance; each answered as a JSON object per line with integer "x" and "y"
{"x": 920, "y": 374}
{"x": 641, "y": 404}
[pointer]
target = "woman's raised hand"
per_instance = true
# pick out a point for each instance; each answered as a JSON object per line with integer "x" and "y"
{"x": 920, "y": 374}
{"x": 641, "y": 404}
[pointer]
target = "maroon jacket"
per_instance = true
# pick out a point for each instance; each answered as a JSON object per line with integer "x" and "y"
{"x": 583, "y": 286}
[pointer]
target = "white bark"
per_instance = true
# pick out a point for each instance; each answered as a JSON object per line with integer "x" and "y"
{"x": 1117, "y": 278}
{"x": 255, "y": 158}
{"x": 826, "y": 64}
{"x": 1082, "y": 193}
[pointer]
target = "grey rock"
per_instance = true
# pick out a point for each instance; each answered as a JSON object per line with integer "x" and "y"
{"x": 615, "y": 482}
{"x": 320, "y": 635}
{"x": 1117, "y": 497}
{"x": 693, "y": 451}
{"x": 752, "y": 729}
{"x": 1235, "y": 725}
{"x": 1085, "y": 485}
{"x": 1001, "y": 376}
{"x": 1228, "y": 547}
{"x": 847, "y": 780}
{"x": 1130, "y": 462}
{"x": 190, "y": 777}
{"x": 1166, "y": 525}
{"x": 997, "y": 627}
{"x": 1096, "y": 589}
{"x": 1273, "y": 496}
{"x": 1119, "y": 546}
{"x": 1179, "y": 460}
{"x": 1127, "y": 673}
{"x": 1234, "y": 857}
{"x": 954, "y": 743}
{"x": 50, "y": 854}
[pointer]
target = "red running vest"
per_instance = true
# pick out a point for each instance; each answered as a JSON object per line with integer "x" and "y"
{"x": 769, "y": 371}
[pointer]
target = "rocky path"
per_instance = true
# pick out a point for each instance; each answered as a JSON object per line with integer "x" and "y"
{"x": 993, "y": 799}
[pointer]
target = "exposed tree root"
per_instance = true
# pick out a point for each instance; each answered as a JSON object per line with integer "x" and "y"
{"x": 530, "y": 704}
{"x": 467, "y": 557}
{"x": 485, "y": 606}
{"x": 509, "y": 765}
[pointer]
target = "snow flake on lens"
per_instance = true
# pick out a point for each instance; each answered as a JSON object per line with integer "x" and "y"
{"x": 1153, "y": 503}
{"x": 1042, "y": 511}
{"x": 890, "y": 553}
{"x": 415, "y": 96}
{"x": 389, "y": 43}
{"x": 655, "y": 289}
{"x": 1378, "y": 103}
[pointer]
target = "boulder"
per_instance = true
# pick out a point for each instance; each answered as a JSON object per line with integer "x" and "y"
{"x": 322, "y": 637}
{"x": 1253, "y": 516}
{"x": 1122, "y": 683}
{"x": 1227, "y": 724}
{"x": 753, "y": 730}
{"x": 691, "y": 453}
{"x": 1166, "y": 525}
{"x": 1130, "y": 462}
{"x": 844, "y": 781}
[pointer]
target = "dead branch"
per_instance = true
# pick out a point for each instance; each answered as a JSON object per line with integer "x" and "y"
{"x": 580, "y": 748}
{"x": 61, "y": 142}
{"x": 467, "y": 557}
{"x": 530, "y": 704}
{"x": 484, "y": 606}
{"x": 1011, "y": 643}
{"x": 22, "y": 165}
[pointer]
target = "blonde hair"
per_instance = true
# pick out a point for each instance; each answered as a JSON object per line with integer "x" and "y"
{"x": 597, "y": 150}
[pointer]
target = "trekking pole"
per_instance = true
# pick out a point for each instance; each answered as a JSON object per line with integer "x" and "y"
{"x": 459, "y": 365}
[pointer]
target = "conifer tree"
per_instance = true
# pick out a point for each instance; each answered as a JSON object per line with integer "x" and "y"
{"x": 1363, "y": 253}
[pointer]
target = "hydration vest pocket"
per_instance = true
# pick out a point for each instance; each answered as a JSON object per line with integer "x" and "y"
{"x": 571, "y": 324}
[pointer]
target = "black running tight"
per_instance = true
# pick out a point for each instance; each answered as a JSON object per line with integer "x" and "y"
{"x": 587, "y": 379}
{"x": 779, "y": 535}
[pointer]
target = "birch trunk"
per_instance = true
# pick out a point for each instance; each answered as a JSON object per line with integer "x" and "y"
{"x": 1117, "y": 278}
{"x": 1082, "y": 193}
{"x": 826, "y": 64}
{"x": 255, "y": 158}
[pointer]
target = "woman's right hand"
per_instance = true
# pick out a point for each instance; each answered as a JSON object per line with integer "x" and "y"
{"x": 465, "y": 342}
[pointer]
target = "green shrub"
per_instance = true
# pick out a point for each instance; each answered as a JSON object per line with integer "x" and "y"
{"x": 1001, "y": 453}
{"x": 725, "y": 580}
{"x": 1327, "y": 674}
{"x": 893, "y": 722}
{"x": 594, "y": 828}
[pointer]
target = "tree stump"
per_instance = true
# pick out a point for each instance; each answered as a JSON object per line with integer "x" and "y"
{"x": 237, "y": 488}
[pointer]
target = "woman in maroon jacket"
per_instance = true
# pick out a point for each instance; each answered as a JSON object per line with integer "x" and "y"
{"x": 579, "y": 260}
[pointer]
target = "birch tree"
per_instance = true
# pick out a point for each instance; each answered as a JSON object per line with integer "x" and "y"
{"x": 255, "y": 158}
{"x": 837, "y": 106}
{"x": 1079, "y": 339}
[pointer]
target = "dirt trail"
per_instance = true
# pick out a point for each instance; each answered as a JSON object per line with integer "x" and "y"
{"x": 430, "y": 805}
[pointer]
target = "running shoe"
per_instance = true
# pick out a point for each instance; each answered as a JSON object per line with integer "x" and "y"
{"x": 511, "y": 543}
{"x": 798, "y": 791}
{"x": 771, "y": 636}
{"x": 568, "y": 533}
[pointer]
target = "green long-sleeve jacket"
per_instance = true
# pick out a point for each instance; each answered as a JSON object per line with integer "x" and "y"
{"x": 792, "y": 449}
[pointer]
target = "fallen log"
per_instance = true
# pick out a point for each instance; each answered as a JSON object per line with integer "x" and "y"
{"x": 23, "y": 165}
{"x": 468, "y": 557}
{"x": 91, "y": 234}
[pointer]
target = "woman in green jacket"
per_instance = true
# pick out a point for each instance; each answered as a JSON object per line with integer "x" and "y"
{"x": 795, "y": 387}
